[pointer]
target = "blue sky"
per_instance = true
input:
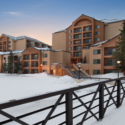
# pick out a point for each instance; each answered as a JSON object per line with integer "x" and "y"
{"x": 40, "y": 18}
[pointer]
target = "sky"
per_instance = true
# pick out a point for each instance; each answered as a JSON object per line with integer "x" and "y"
{"x": 40, "y": 18}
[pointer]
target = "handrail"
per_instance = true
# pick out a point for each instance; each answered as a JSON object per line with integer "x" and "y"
{"x": 82, "y": 70}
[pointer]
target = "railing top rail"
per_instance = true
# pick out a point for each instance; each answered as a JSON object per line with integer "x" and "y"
{"x": 35, "y": 98}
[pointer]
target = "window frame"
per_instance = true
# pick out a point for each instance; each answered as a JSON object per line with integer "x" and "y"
{"x": 97, "y": 51}
{"x": 97, "y": 61}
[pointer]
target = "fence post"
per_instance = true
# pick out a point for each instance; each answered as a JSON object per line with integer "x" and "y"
{"x": 69, "y": 106}
{"x": 118, "y": 93}
{"x": 101, "y": 101}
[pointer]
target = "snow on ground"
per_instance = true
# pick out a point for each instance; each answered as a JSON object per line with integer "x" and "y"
{"x": 23, "y": 86}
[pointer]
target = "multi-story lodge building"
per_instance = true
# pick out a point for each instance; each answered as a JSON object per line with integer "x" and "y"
{"x": 92, "y": 38}
{"x": 86, "y": 37}
{"x": 12, "y": 43}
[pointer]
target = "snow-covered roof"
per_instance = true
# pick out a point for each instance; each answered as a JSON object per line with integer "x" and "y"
{"x": 14, "y": 52}
{"x": 22, "y": 37}
{"x": 42, "y": 49}
{"x": 111, "y": 20}
{"x": 100, "y": 43}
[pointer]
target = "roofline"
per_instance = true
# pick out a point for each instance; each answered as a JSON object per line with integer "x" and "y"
{"x": 107, "y": 41}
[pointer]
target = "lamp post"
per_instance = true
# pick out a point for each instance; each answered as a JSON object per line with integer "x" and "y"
{"x": 79, "y": 71}
{"x": 118, "y": 62}
{"x": 41, "y": 67}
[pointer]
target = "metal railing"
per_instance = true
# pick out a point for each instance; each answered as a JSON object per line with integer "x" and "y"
{"x": 70, "y": 95}
{"x": 34, "y": 65}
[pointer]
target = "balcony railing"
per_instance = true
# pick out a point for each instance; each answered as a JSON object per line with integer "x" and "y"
{"x": 77, "y": 55}
{"x": 110, "y": 64}
{"x": 87, "y": 41}
{"x": 77, "y": 49}
{"x": 34, "y": 65}
{"x": 88, "y": 29}
{"x": 34, "y": 57}
{"x": 26, "y": 58}
{"x": 25, "y": 65}
{"x": 77, "y": 43}
{"x": 109, "y": 53}
{"x": 77, "y": 30}
{"x": 88, "y": 35}
{"x": 77, "y": 36}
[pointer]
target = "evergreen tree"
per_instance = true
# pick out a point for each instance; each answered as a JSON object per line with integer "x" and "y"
{"x": 84, "y": 60}
{"x": 120, "y": 49}
{"x": 18, "y": 66}
{"x": 10, "y": 62}
{"x": 4, "y": 67}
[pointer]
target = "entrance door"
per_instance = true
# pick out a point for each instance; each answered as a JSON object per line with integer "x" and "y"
{"x": 87, "y": 71}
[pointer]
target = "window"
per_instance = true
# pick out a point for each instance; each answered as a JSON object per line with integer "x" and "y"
{"x": 96, "y": 61}
{"x": 44, "y": 55}
{"x": 9, "y": 45}
{"x": 110, "y": 62}
{"x": 97, "y": 39}
{"x": 26, "y": 71}
{"x": 77, "y": 36}
{"x": 97, "y": 51}
{"x": 26, "y": 57}
{"x": 20, "y": 57}
{"x": 9, "y": 41}
{"x": 4, "y": 58}
{"x": 45, "y": 63}
{"x": 97, "y": 26}
{"x": 70, "y": 42}
{"x": 26, "y": 64}
{"x": 70, "y": 48}
{"x": 70, "y": 37}
{"x": 71, "y": 54}
{"x": 44, "y": 70}
{"x": 97, "y": 33}
{"x": 95, "y": 72}
{"x": 70, "y": 31}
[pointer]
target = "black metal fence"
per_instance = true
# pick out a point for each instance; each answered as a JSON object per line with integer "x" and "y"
{"x": 102, "y": 91}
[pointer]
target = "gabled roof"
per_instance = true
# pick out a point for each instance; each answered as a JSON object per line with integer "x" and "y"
{"x": 100, "y": 43}
{"x": 22, "y": 37}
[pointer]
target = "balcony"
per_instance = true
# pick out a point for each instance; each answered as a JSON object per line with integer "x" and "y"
{"x": 77, "y": 54}
{"x": 30, "y": 42}
{"x": 109, "y": 53}
{"x": 110, "y": 64}
{"x": 34, "y": 65}
{"x": 87, "y": 41}
{"x": 26, "y": 65}
{"x": 36, "y": 44}
{"x": 26, "y": 58}
{"x": 77, "y": 30}
{"x": 77, "y": 48}
{"x": 88, "y": 35}
{"x": 77, "y": 36}
{"x": 87, "y": 28}
{"x": 35, "y": 56}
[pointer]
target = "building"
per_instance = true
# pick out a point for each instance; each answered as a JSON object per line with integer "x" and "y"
{"x": 84, "y": 32}
{"x": 37, "y": 60}
{"x": 8, "y": 42}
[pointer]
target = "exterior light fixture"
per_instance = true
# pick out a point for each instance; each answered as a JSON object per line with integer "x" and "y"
{"x": 118, "y": 62}
{"x": 79, "y": 71}
{"x": 41, "y": 65}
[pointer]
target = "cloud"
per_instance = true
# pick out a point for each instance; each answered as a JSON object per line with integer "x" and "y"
{"x": 14, "y": 13}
